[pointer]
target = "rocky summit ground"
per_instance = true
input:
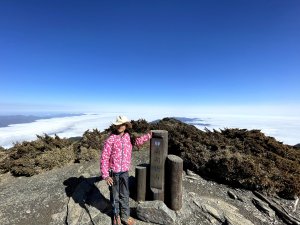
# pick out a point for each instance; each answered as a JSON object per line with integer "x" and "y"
{"x": 74, "y": 194}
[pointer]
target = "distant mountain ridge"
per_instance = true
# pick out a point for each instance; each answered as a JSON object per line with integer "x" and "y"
{"x": 187, "y": 120}
{"x": 192, "y": 121}
{"x": 7, "y": 120}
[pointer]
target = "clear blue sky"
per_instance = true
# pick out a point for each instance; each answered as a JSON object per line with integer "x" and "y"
{"x": 156, "y": 53}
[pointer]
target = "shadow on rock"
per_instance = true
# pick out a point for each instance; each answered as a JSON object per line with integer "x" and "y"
{"x": 84, "y": 192}
{"x": 132, "y": 187}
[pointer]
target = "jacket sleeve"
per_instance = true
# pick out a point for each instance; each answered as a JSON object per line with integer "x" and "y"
{"x": 105, "y": 158}
{"x": 142, "y": 139}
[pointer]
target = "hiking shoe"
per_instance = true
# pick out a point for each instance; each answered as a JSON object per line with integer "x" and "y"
{"x": 129, "y": 221}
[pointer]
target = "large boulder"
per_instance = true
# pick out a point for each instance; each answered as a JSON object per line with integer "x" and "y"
{"x": 155, "y": 212}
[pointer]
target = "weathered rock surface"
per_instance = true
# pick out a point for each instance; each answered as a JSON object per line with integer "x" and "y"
{"x": 156, "y": 212}
{"x": 221, "y": 211}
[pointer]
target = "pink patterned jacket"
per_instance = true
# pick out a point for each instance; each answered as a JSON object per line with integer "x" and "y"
{"x": 116, "y": 154}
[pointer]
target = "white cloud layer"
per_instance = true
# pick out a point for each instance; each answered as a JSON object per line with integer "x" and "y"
{"x": 63, "y": 127}
{"x": 286, "y": 129}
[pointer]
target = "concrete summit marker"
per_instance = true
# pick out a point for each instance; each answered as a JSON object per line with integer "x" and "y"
{"x": 158, "y": 155}
{"x": 161, "y": 165}
{"x": 141, "y": 172}
{"x": 174, "y": 166}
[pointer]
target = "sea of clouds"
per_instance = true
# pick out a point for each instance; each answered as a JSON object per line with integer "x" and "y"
{"x": 285, "y": 129}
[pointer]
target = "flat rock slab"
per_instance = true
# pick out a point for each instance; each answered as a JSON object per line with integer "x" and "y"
{"x": 155, "y": 212}
{"x": 221, "y": 211}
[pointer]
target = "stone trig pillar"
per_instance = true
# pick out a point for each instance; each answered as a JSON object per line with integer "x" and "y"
{"x": 174, "y": 167}
{"x": 158, "y": 155}
{"x": 141, "y": 182}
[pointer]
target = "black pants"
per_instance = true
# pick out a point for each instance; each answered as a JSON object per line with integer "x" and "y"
{"x": 119, "y": 195}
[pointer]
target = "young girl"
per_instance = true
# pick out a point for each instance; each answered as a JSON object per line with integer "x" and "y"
{"x": 115, "y": 163}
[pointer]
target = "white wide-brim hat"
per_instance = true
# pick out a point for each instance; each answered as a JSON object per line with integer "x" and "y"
{"x": 122, "y": 120}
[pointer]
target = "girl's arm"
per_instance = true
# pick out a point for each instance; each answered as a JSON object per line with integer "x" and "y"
{"x": 142, "y": 139}
{"x": 105, "y": 158}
